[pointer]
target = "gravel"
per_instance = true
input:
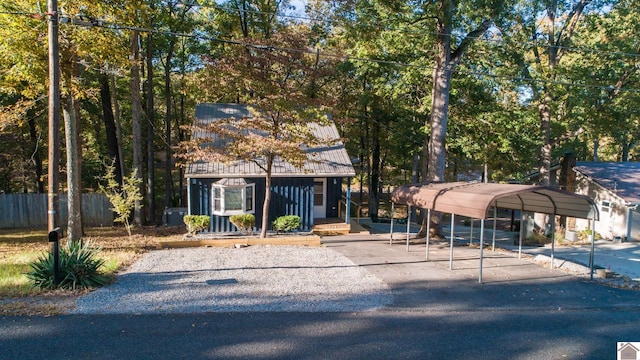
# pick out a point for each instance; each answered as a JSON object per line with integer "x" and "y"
{"x": 250, "y": 279}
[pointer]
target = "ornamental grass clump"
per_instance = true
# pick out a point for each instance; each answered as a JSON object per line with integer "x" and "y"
{"x": 79, "y": 268}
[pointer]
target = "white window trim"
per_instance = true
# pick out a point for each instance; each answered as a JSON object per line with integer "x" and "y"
{"x": 223, "y": 211}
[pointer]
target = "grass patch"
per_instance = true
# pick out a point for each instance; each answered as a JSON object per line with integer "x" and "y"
{"x": 13, "y": 281}
{"x": 19, "y": 248}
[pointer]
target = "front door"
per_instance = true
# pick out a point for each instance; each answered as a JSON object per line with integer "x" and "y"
{"x": 320, "y": 198}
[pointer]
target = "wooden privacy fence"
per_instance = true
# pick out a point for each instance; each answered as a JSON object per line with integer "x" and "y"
{"x": 30, "y": 210}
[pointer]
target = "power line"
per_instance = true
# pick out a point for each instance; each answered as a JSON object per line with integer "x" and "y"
{"x": 421, "y": 32}
{"x": 350, "y": 58}
{"x": 91, "y": 22}
{"x": 499, "y": 42}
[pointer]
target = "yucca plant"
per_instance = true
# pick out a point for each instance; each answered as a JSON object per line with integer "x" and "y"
{"x": 79, "y": 268}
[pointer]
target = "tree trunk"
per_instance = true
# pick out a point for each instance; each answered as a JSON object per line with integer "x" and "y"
{"x": 135, "y": 120}
{"x": 544, "y": 109}
{"x": 374, "y": 177}
{"x": 151, "y": 202}
{"x": 168, "y": 183}
{"x": 181, "y": 139}
{"x": 74, "y": 186}
{"x": 441, "y": 78}
{"x": 110, "y": 126}
{"x": 267, "y": 199}
{"x": 116, "y": 120}
{"x": 446, "y": 61}
{"x": 626, "y": 147}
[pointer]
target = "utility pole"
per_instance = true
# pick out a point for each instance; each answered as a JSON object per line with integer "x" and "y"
{"x": 53, "y": 203}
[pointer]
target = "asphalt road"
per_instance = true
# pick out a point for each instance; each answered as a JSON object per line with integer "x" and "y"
{"x": 521, "y": 311}
{"x": 577, "y": 334}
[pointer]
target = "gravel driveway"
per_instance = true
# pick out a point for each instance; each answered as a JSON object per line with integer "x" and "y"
{"x": 256, "y": 278}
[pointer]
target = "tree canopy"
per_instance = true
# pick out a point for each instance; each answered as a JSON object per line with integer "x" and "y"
{"x": 420, "y": 90}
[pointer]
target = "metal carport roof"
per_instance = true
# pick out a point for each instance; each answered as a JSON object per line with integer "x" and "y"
{"x": 474, "y": 199}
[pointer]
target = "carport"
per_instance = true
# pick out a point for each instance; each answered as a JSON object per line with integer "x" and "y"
{"x": 476, "y": 200}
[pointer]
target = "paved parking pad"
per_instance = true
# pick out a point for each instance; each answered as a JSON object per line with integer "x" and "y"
{"x": 508, "y": 282}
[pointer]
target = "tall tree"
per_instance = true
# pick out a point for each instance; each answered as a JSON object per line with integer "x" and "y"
{"x": 273, "y": 81}
{"x": 136, "y": 108}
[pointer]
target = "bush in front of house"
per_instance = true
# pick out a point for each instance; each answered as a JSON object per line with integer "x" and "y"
{"x": 196, "y": 223}
{"x": 287, "y": 223}
{"x": 79, "y": 268}
{"x": 244, "y": 222}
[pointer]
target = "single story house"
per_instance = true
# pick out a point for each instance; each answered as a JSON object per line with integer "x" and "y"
{"x": 614, "y": 187}
{"x": 220, "y": 189}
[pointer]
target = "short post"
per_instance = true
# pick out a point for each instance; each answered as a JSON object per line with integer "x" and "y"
{"x": 54, "y": 237}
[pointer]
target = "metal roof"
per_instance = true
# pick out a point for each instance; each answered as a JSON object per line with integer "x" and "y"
{"x": 474, "y": 199}
{"x": 324, "y": 161}
{"x": 621, "y": 178}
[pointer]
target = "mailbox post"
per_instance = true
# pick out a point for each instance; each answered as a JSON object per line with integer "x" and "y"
{"x": 54, "y": 237}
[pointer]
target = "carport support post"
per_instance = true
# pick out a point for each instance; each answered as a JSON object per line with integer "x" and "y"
{"x": 495, "y": 220}
{"x": 391, "y": 227}
{"x": 593, "y": 247}
{"x": 481, "y": 248}
{"x": 521, "y": 233}
{"x": 453, "y": 216}
{"x": 553, "y": 239}
{"x": 408, "y": 225}
{"x": 471, "y": 234}
{"x": 428, "y": 232}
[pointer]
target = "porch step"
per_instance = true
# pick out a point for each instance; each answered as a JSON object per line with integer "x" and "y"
{"x": 329, "y": 227}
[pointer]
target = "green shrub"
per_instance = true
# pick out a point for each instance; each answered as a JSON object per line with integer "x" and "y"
{"x": 196, "y": 223}
{"x": 244, "y": 222}
{"x": 287, "y": 223}
{"x": 79, "y": 268}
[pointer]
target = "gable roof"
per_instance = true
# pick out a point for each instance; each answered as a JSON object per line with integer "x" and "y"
{"x": 327, "y": 161}
{"x": 474, "y": 199}
{"x": 620, "y": 178}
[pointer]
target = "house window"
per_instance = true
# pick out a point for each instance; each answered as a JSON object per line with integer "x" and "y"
{"x": 318, "y": 193}
{"x": 605, "y": 206}
{"x": 233, "y": 197}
